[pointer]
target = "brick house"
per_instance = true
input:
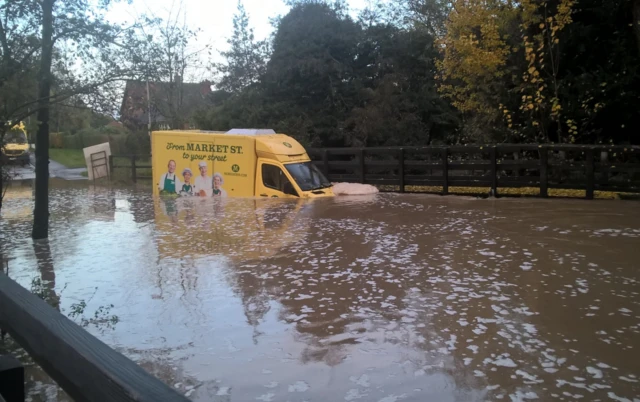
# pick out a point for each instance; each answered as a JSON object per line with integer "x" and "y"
{"x": 172, "y": 104}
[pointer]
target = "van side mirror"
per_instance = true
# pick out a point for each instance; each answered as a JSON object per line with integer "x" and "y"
{"x": 288, "y": 189}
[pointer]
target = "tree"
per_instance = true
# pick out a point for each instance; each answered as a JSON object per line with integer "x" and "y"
{"x": 475, "y": 70}
{"x": 543, "y": 71}
{"x": 33, "y": 36}
{"x": 309, "y": 79}
{"x": 246, "y": 58}
{"x": 397, "y": 101}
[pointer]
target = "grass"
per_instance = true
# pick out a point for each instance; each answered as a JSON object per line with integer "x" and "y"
{"x": 71, "y": 158}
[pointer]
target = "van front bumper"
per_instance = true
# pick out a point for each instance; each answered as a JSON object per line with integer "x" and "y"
{"x": 14, "y": 156}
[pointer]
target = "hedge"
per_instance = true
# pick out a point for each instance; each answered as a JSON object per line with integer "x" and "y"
{"x": 121, "y": 142}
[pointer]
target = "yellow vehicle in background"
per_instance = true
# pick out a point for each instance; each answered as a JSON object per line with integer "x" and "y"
{"x": 236, "y": 163}
{"x": 15, "y": 146}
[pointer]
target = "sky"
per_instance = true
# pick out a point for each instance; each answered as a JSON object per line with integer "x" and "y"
{"x": 213, "y": 17}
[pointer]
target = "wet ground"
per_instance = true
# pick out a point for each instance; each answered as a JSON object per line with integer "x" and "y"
{"x": 386, "y": 297}
{"x": 20, "y": 172}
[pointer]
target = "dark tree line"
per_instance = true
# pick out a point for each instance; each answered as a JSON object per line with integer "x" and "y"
{"x": 430, "y": 71}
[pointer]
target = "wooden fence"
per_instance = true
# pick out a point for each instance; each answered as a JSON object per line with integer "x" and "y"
{"x": 85, "y": 368}
{"x": 437, "y": 169}
{"x": 131, "y": 163}
{"x": 589, "y": 168}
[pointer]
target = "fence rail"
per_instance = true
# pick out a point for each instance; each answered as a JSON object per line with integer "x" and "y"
{"x": 588, "y": 168}
{"x": 133, "y": 163}
{"x": 437, "y": 169}
{"x": 85, "y": 368}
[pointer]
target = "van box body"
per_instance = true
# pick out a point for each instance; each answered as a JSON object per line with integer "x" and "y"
{"x": 238, "y": 163}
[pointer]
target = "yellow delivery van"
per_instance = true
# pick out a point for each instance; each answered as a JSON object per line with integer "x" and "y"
{"x": 15, "y": 147}
{"x": 236, "y": 163}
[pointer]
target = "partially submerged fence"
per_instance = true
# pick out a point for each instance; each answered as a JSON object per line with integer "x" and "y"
{"x": 437, "y": 169}
{"x": 85, "y": 368}
{"x": 131, "y": 164}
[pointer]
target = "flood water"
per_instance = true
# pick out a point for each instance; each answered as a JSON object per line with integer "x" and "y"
{"x": 387, "y": 297}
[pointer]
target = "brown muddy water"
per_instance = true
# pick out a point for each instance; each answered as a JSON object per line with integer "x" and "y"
{"x": 386, "y": 297}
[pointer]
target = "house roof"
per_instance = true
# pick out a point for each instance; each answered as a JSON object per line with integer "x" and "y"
{"x": 189, "y": 97}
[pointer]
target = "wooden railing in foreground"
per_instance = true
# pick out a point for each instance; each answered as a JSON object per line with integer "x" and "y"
{"x": 85, "y": 368}
{"x": 574, "y": 167}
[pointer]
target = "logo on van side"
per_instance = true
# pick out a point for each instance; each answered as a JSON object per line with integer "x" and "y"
{"x": 235, "y": 168}
{"x": 286, "y": 144}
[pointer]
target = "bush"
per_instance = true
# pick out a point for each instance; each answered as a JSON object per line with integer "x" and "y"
{"x": 120, "y": 141}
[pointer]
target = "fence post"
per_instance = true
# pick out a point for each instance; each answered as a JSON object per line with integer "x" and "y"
{"x": 445, "y": 171}
{"x": 325, "y": 161}
{"x": 11, "y": 379}
{"x": 544, "y": 175}
{"x": 110, "y": 166}
{"x": 401, "y": 168}
{"x": 361, "y": 164}
{"x": 590, "y": 174}
{"x": 133, "y": 169}
{"x": 494, "y": 171}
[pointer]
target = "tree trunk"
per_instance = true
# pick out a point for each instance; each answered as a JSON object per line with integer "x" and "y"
{"x": 41, "y": 209}
{"x": 1, "y": 182}
{"x": 47, "y": 272}
{"x": 636, "y": 21}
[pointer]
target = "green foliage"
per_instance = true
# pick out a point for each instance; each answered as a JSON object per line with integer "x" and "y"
{"x": 246, "y": 59}
{"x": 333, "y": 81}
{"x": 543, "y": 71}
{"x": 102, "y": 318}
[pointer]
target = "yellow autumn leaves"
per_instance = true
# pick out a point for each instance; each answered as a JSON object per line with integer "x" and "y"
{"x": 485, "y": 39}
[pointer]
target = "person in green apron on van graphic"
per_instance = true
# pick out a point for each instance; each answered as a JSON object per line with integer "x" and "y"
{"x": 187, "y": 187}
{"x": 169, "y": 183}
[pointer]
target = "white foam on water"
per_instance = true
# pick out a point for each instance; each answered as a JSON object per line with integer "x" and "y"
{"x": 625, "y": 310}
{"x": 223, "y": 391}
{"x": 522, "y": 396}
{"x": 528, "y": 376}
{"x": 392, "y": 398}
{"x": 468, "y": 360}
{"x": 627, "y": 379}
{"x": 479, "y": 373}
{"x": 353, "y": 189}
{"x": 272, "y": 384}
{"x": 266, "y": 397}
{"x": 299, "y": 386}
{"x": 594, "y": 372}
{"x": 354, "y": 394}
{"x": 615, "y": 397}
{"x": 362, "y": 381}
{"x": 504, "y": 362}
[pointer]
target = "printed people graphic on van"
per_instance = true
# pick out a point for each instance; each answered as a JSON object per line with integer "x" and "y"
{"x": 218, "y": 181}
{"x": 187, "y": 187}
{"x": 204, "y": 184}
{"x": 169, "y": 183}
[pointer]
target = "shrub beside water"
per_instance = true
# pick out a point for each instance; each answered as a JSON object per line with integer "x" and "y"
{"x": 120, "y": 140}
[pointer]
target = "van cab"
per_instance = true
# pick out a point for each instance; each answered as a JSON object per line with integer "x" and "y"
{"x": 15, "y": 147}
{"x": 236, "y": 163}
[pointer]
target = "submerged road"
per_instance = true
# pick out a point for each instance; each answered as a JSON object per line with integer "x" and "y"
{"x": 56, "y": 169}
{"x": 389, "y": 297}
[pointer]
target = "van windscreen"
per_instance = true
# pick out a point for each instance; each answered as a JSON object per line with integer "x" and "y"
{"x": 15, "y": 137}
{"x": 308, "y": 176}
